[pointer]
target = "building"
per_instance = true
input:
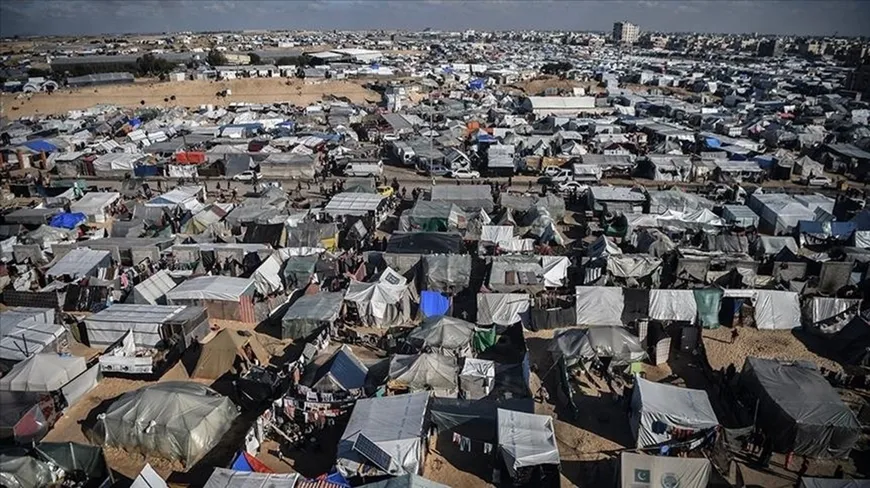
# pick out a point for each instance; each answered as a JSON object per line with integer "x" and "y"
{"x": 625, "y": 33}
{"x": 769, "y": 48}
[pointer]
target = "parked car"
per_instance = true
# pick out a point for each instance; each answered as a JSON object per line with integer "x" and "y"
{"x": 245, "y": 176}
{"x": 568, "y": 186}
{"x": 385, "y": 191}
{"x": 820, "y": 181}
{"x": 464, "y": 174}
{"x": 364, "y": 169}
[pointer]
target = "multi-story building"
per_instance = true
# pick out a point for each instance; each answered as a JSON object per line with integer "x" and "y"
{"x": 769, "y": 48}
{"x": 625, "y": 33}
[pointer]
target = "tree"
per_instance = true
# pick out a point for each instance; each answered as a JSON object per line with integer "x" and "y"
{"x": 216, "y": 58}
{"x": 556, "y": 68}
{"x": 151, "y": 65}
{"x": 255, "y": 58}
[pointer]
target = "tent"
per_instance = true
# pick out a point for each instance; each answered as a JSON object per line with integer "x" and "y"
{"x": 80, "y": 262}
{"x": 228, "y": 478}
{"x": 526, "y": 440}
{"x": 219, "y": 355}
{"x": 445, "y": 271}
{"x": 21, "y": 471}
{"x": 424, "y": 243}
{"x": 502, "y": 308}
{"x": 599, "y": 305}
{"x": 148, "y": 478}
{"x": 43, "y": 372}
{"x": 476, "y": 378}
{"x": 28, "y": 330}
{"x": 443, "y": 334}
{"x": 425, "y": 371}
{"x": 405, "y": 481}
{"x": 153, "y": 290}
{"x": 94, "y": 205}
{"x": 657, "y": 410}
{"x": 343, "y": 372}
{"x": 807, "y": 482}
{"x": 609, "y": 341}
{"x": 677, "y": 305}
{"x": 310, "y": 313}
{"x": 384, "y": 435}
{"x": 223, "y": 297}
{"x": 151, "y": 325}
{"x": 384, "y": 302}
{"x": 173, "y": 420}
{"x": 73, "y": 457}
{"x": 802, "y": 413}
{"x": 433, "y": 303}
{"x": 639, "y": 470}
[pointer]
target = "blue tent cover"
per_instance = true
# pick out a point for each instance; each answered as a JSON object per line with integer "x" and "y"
{"x": 68, "y": 220}
{"x": 433, "y": 303}
{"x": 40, "y": 145}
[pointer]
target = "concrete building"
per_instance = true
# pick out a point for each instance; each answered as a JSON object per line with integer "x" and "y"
{"x": 769, "y": 48}
{"x": 625, "y": 33}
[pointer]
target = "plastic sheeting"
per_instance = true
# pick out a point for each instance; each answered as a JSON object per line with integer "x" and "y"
{"x": 555, "y": 270}
{"x": 394, "y": 424}
{"x": 633, "y": 265}
{"x": 443, "y": 334}
{"x": 575, "y": 345}
{"x": 830, "y": 315}
{"x": 501, "y": 308}
{"x": 24, "y": 472}
{"x": 25, "y": 331}
{"x": 81, "y": 262}
{"x": 68, "y": 220}
{"x": 43, "y": 372}
{"x": 224, "y": 288}
{"x": 800, "y": 410}
{"x": 153, "y": 290}
{"x": 642, "y": 471}
{"x": 599, "y": 305}
{"x": 678, "y": 305}
{"x": 526, "y": 439}
{"x": 777, "y": 309}
{"x": 310, "y": 313}
{"x": 71, "y": 457}
{"x": 654, "y": 405}
{"x": 447, "y": 270}
{"x": 381, "y": 303}
{"x": 708, "y": 302}
{"x": 173, "y": 420}
{"x": 433, "y": 304}
{"x": 227, "y": 478}
{"x": 425, "y": 372}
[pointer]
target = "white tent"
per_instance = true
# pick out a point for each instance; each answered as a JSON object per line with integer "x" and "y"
{"x": 81, "y": 262}
{"x": 599, "y": 305}
{"x": 25, "y": 331}
{"x": 477, "y": 378}
{"x": 639, "y": 470}
{"x": 658, "y": 404}
{"x": 526, "y": 439}
{"x": 391, "y": 426}
{"x": 676, "y": 305}
{"x": 776, "y": 309}
{"x": 94, "y": 205}
{"x": 145, "y": 321}
{"x": 227, "y": 478}
{"x": 153, "y": 290}
{"x": 427, "y": 371}
{"x": 384, "y": 302}
{"x": 501, "y": 308}
{"x": 43, "y": 372}
{"x": 555, "y": 270}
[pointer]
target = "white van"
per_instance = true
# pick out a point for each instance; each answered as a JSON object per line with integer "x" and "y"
{"x": 404, "y": 153}
{"x": 364, "y": 169}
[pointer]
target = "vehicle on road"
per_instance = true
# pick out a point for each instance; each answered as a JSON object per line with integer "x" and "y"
{"x": 569, "y": 186}
{"x": 364, "y": 169}
{"x": 820, "y": 182}
{"x": 385, "y": 191}
{"x": 245, "y": 176}
{"x": 463, "y": 174}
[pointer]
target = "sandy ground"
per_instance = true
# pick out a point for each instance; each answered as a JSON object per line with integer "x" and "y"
{"x": 187, "y": 94}
{"x": 769, "y": 344}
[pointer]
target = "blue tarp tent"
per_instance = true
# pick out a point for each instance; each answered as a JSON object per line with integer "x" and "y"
{"x": 476, "y": 84}
{"x": 135, "y": 122}
{"x": 711, "y": 142}
{"x": 840, "y": 230}
{"x": 68, "y": 220}
{"x": 487, "y": 139}
{"x": 39, "y": 145}
{"x": 433, "y": 303}
{"x": 146, "y": 170}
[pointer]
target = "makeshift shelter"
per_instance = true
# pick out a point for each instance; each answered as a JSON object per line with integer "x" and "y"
{"x": 382, "y": 303}
{"x": 426, "y": 371}
{"x": 467, "y": 197}
{"x": 354, "y": 204}
{"x": 424, "y": 243}
{"x": 443, "y": 334}
{"x": 222, "y": 352}
{"x": 446, "y": 271}
{"x": 827, "y": 315}
{"x": 78, "y": 459}
{"x": 677, "y": 305}
{"x": 435, "y": 216}
{"x": 229, "y": 478}
{"x": 95, "y": 205}
{"x": 22, "y": 471}
{"x": 477, "y": 378}
{"x": 343, "y": 372}
{"x": 599, "y": 305}
{"x": 502, "y": 308}
{"x": 405, "y": 481}
{"x": 68, "y": 220}
{"x": 43, "y": 372}
{"x": 25, "y": 331}
{"x": 80, "y": 262}
{"x": 814, "y": 423}
{"x": 384, "y": 435}
{"x": 607, "y": 341}
{"x": 173, "y": 420}
{"x": 223, "y": 297}
{"x": 641, "y": 470}
{"x": 526, "y": 441}
{"x": 26, "y": 416}
{"x": 311, "y": 313}
{"x": 148, "y": 478}
{"x": 660, "y": 412}
{"x": 151, "y": 325}
{"x": 183, "y": 197}
{"x": 152, "y": 291}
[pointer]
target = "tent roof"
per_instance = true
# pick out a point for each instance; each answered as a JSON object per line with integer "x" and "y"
{"x": 424, "y": 243}
{"x": 43, "y": 372}
{"x": 601, "y": 341}
{"x": 227, "y": 478}
{"x": 350, "y": 203}
{"x": 424, "y": 371}
{"x": 526, "y": 439}
{"x": 137, "y": 314}
{"x": 406, "y": 481}
{"x": 323, "y": 306}
{"x": 79, "y": 262}
{"x": 212, "y": 288}
{"x": 345, "y": 368}
{"x": 219, "y": 353}
{"x": 691, "y": 406}
{"x": 443, "y": 332}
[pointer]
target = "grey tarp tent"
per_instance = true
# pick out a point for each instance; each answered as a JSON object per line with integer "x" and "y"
{"x": 443, "y": 271}
{"x": 406, "y": 481}
{"x": 658, "y": 403}
{"x": 343, "y": 372}
{"x": 807, "y": 482}
{"x": 801, "y": 411}
{"x": 310, "y": 313}
{"x": 43, "y": 372}
{"x": 153, "y": 290}
{"x": 384, "y": 302}
{"x": 526, "y": 439}
{"x": 74, "y": 457}
{"x": 614, "y": 342}
{"x": 502, "y": 308}
{"x": 443, "y": 334}
{"x": 394, "y": 424}
{"x": 427, "y": 371}
{"x": 227, "y": 478}
{"x": 28, "y": 330}
{"x": 639, "y": 470}
{"x": 22, "y": 471}
{"x": 173, "y": 420}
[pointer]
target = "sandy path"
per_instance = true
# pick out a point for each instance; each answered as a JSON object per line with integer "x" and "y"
{"x": 187, "y": 94}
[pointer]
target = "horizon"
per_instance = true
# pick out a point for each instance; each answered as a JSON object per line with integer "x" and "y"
{"x": 57, "y": 18}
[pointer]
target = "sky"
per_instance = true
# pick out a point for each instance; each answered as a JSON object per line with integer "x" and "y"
{"x": 87, "y": 17}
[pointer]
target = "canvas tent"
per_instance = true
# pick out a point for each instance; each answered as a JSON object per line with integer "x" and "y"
{"x": 642, "y": 471}
{"x": 427, "y": 371}
{"x": 502, "y": 308}
{"x": 814, "y": 423}
{"x": 526, "y": 440}
{"x": 310, "y": 313}
{"x": 43, "y": 372}
{"x": 656, "y": 404}
{"x": 223, "y": 297}
{"x": 343, "y": 372}
{"x": 443, "y": 334}
{"x": 615, "y": 342}
{"x": 394, "y": 425}
{"x": 384, "y": 302}
{"x": 173, "y": 420}
{"x": 219, "y": 354}
{"x": 81, "y": 262}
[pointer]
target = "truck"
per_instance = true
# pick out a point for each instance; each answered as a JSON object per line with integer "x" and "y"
{"x": 364, "y": 169}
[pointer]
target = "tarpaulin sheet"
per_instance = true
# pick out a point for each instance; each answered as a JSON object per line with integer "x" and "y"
{"x": 643, "y": 471}
{"x": 611, "y": 341}
{"x": 799, "y": 409}
{"x": 445, "y": 334}
{"x": 636, "y": 302}
{"x": 483, "y": 339}
{"x": 708, "y": 301}
{"x": 501, "y": 308}
{"x": 68, "y": 220}
{"x": 676, "y": 305}
{"x": 552, "y": 318}
{"x": 654, "y": 404}
{"x": 555, "y": 270}
{"x": 829, "y": 315}
{"x": 599, "y": 305}
{"x": 632, "y": 266}
{"x": 433, "y": 303}
{"x": 426, "y": 371}
{"x": 526, "y": 439}
{"x": 450, "y": 413}
{"x": 776, "y": 309}
{"x": 446, "y": 270}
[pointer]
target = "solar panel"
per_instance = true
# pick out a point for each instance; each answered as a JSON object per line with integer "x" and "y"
{"x": 373, "y": 453}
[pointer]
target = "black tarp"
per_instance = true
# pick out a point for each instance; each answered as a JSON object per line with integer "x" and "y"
{"x": 47, "y": 299}
{"x": 636, "y": 304}
{"x": 454, "y": 413}
{"x": 81, "y": 298}
{"x": 425, "y": 243}
{"x": 264, "y": 234}
{"x": 553, "y": 318}
{"x": 799, "y": 409}
{"x": 73, "y": 457}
